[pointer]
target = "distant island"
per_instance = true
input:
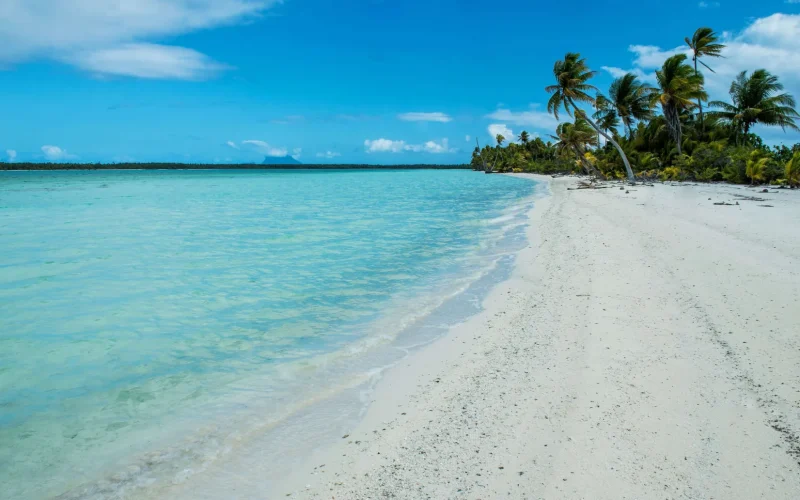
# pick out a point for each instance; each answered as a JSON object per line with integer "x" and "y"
{"x": 208, "y": 166}
{"x": 280, "y": 160}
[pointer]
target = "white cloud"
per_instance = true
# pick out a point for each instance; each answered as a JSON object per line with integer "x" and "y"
{"x": 328, "y": 155}
{"x": 705, "y": 5}
{"x": 384, "y": 146}
{"x": 467, "y": 138}
{"x": 98, "y": 34}
{"x": 390, "y": 146}
{"x": 232, "y": 144}
{"x": 264, "y": 148}
{"x": 501, "y": 128}
{"x": 532, "y": 117}
{"x": 147, "y": 60}
{"x": 425, "y": 117}
{"x": 642, "y": 75}
{"x": 437, "y": 147}
{"x": 12, "y": 155}
{"x": 55, "y": 153}
{"x": 296, "y": 152}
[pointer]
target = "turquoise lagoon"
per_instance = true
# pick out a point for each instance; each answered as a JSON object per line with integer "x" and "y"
{"x": 152, "y": 320}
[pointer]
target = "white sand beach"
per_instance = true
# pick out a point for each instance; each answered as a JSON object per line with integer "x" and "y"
{"x": 647, "y": 346}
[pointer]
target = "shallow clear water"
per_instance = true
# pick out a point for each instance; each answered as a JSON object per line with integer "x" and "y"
{"x": 139, "y": 307}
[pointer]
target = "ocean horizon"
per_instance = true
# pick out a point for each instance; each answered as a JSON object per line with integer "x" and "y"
{"x": 155, "y": 320}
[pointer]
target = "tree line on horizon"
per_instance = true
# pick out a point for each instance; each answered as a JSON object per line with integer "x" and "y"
{"x": 665, "y": 131}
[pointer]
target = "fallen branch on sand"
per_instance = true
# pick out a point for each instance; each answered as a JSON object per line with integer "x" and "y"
{"x": 587, "y": 185}
{"x": 749, "y": 198}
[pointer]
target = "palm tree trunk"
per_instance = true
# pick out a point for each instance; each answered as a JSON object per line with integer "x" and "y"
{"x": 628, "y": 170}
{"x": 589, "y": 166}
{"x": 673, "y": 124}
{"x": 699, "y": 102}
{"x": 480, "y": 152}
{"x": 582, "y": 159}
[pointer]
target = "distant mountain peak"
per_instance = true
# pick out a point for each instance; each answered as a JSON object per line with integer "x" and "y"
{"x": 280, "y": 160}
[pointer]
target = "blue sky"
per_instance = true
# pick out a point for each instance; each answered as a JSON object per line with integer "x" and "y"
{"x": 354, "y": 81}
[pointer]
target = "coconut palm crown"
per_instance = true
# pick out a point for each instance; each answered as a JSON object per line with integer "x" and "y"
{"x": 631, "y": 100}
{"x": 704, "y": 44}
{"x": 678, "y": 87}
{"x": 757, "y": 98}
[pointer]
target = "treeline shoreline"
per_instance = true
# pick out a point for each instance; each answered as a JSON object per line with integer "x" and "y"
{"x": 208, "y": 166}
{"x": 667, "y": 128}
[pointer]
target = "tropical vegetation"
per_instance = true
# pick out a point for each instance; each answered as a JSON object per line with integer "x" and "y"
{"x": 666, "y": 130}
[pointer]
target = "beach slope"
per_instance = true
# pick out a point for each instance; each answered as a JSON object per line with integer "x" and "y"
{"x": 647, "y": 346}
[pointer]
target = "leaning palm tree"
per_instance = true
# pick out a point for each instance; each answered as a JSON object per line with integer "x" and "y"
{"x": 631, "y": 100}
{"x": 571, "y": 76}
{"x": 704, "y": 44}
{"x": 575, "y": 138}
{"x": 678, "y": 87}
{"x": 756, "y": 99}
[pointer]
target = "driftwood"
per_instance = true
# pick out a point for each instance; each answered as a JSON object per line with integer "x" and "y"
{"x": 588, "y": 185}
{"x": 726, "y": 203}
{"x": 749, "y": 198}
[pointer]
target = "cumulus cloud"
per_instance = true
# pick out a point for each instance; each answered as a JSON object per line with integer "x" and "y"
{"x": 502, "y": 129}
{"x": 55, "y": 153}
{"x": 384, "y": 146}
{"x": 328, "y": 154}
{"x": 437, "y": 147}
{"x": 11, "y": 154}
{"x": 390, "y": 146}
{"x": 425, "y": 117}
{"x": 264, "y": 148}
{"x": 108, "y": 37}
{"x": 642, "y": 75}
{"x": 296, "y": 152}
{"x": 532, "y": 117}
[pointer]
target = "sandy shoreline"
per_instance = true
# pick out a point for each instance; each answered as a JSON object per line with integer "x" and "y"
{"x": 646, "y": 346}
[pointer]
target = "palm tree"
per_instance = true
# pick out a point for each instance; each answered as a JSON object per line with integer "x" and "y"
{"x": 571, "y": 76}
{"x": 575, "y": 137}
{"x": 793, "y": 170}
{"x": 757, "y": 99}
{"x": 703, "y": 44}
{"x": 678, "y": 87}
{"x": 605, "y": 115}
{"x": 499, "y": 138}
{"x": 524, "y": 138}
{"x": 756, "y": 166}
{"x": 631, "y": 100}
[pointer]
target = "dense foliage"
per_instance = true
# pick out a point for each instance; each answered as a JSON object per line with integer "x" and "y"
{"x": 662, "y": 132}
